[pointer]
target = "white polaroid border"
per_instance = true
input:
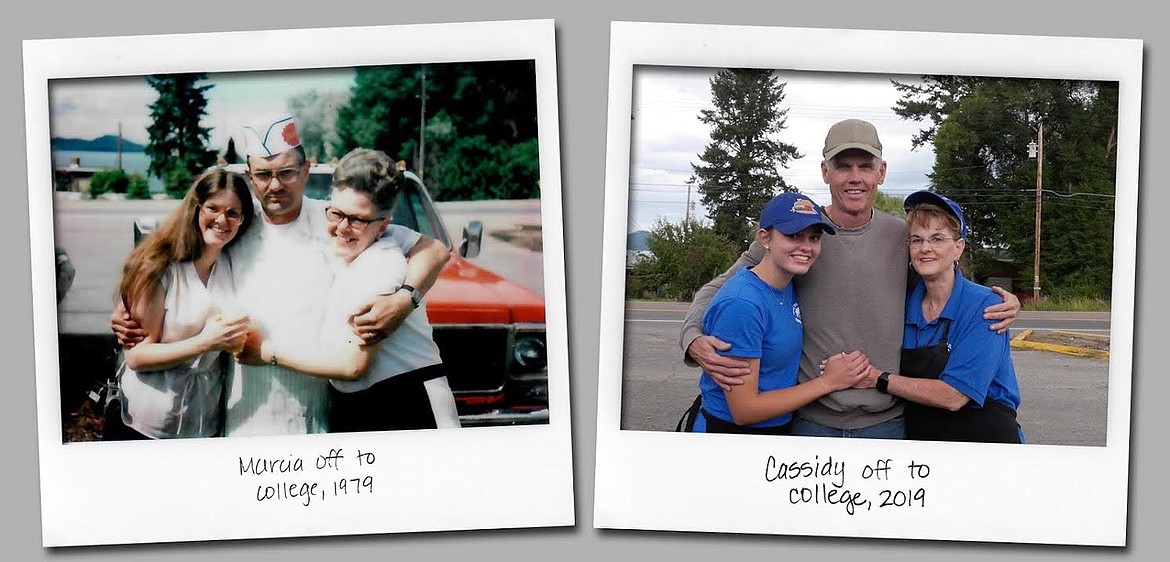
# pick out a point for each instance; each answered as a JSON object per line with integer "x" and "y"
{"x": 974, "y": 492}
{"x": 190, "y": 490}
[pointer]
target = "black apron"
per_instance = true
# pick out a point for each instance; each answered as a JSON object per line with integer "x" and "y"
{"x": 995, "y": 422}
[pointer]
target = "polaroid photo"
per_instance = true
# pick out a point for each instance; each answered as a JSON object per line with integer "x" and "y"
{"x": 457, "y": 420}
{"x": 1008, "y": 128}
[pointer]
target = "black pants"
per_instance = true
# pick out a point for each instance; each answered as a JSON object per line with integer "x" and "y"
{"x": 716, "y": 425}
{"x": 399, "y": 402}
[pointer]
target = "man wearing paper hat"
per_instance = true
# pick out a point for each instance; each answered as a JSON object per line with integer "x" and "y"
{"x": 282, "y": 273}
{"x": 852, "y": 299}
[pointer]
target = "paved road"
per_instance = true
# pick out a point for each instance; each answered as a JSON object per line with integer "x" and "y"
{"x": 97, "y": 235}
{"x": 1064, "y": 397}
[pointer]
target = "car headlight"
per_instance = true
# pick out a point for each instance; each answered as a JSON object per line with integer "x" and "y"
{"x": 529, "y": 354}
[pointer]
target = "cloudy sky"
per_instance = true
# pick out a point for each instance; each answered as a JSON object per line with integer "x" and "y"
{"x": 88, "y": 108}
{"x": 667, "y": 137}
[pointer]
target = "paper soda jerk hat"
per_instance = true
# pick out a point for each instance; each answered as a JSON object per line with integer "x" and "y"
{"x": 852, "y": 133}
{"x": 271, "y": 136}
{"x": 920, "y": 197}
{"x": 790, "y": 213}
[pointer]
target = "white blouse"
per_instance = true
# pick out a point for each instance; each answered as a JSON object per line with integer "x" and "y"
{"x": 182, "y": 401}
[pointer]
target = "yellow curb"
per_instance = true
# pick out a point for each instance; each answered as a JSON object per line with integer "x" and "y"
{"x": 1020, "y": 342}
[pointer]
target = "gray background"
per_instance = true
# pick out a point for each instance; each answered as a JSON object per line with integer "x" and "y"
{"x": 582, "y": 52}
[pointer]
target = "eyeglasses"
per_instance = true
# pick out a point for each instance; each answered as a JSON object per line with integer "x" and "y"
{"x": 934, "y": 241}
{"x": 286, "y": 175}
{"x": 212, "y": 212}
{"x": 355, "y": 222}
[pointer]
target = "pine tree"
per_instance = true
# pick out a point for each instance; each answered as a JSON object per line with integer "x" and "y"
{"x": 177, "y": 144}
{"x": 740, "y": 168}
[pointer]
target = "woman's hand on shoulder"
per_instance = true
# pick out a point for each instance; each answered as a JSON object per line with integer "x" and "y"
{"x": 1003, "y": 314}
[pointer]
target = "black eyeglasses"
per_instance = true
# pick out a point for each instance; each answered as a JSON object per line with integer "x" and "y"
{"x": 286, "y": 175}
{"x": 355, "y": 222}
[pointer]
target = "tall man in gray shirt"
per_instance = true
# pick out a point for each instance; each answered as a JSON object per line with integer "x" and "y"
{"x": 853, "y": 298}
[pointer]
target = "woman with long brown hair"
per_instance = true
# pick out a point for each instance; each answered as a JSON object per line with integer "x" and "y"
{"x": 178, "y": 283}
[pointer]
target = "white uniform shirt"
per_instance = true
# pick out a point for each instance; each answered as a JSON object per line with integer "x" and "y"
{"x": 282, "y": 277}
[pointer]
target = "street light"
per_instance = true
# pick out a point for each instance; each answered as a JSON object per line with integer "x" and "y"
{"x": 1036, "y": 150}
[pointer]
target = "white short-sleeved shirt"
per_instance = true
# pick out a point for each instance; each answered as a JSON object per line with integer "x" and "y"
{"x": 183, "y": 401}
{"x": 379, "y": 269}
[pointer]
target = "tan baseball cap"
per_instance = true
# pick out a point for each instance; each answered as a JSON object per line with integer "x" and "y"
{"x": 852, "y": 133}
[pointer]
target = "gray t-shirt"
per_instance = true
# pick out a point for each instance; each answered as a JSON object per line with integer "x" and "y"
{"x": 853, "y": 298}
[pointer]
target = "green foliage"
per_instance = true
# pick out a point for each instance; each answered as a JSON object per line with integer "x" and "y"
{"x": 1067, "y": 304}
{"x": 178, "y": 181}
{"x": 108, "y": 181}
{"x": 740, "y": 168}
{"x": 480, "y": 125}
{"x": 980, "y": 129}
{"x": 139, "y": 187}
{"x": 176, "y": 141}
{"x": 685, "y": 256}
{"x": 889, "y": 204}
{"x": 316, "y": 116}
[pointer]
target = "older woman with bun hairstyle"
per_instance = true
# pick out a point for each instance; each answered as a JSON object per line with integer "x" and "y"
{"x": 178, "y": 282}
{"x": 956, "y": 375}
{"x": 400, "y": 382}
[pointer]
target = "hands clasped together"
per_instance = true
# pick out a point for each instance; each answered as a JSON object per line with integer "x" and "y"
{"x": 839, "y": 371}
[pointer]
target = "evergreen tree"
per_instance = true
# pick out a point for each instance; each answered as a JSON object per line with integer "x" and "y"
{"x": 740, "y": 169}
{"x": 177, "y": 144}
{"x": 231, "y": 155}
{"x": 480, "y": 125}
{"x": 980, "y": 129}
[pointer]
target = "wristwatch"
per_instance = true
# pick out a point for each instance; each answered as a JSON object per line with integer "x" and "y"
{"x": 883, "y": 382}
{"x": 415, "y": 295}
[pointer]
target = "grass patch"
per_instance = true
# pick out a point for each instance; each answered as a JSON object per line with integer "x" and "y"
{"x": 1066, "y": 304}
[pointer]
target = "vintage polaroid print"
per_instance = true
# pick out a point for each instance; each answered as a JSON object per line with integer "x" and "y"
{"x": 991, "y": 122}
{"x": 139, "y": 448}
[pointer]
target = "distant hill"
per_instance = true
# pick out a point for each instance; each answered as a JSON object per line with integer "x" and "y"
{"x": 107, "y": 143}
{"x": 636, "y": 241}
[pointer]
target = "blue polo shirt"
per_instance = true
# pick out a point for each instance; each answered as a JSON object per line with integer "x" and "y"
{"x": 980, "y": 366}
{"x": 760, "y": 322}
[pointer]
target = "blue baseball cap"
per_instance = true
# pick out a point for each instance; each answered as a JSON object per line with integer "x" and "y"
{"x": 790, "y": 213}
{"x": 920, "y": 197}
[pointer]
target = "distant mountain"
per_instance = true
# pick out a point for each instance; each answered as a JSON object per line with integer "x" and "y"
{"x": 107, "y": 143}
{"x": 636, "y": 241}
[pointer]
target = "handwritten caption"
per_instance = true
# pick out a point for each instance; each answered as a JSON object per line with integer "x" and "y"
{"x": 884, "y": 483}
{"x": 329, "y": 475}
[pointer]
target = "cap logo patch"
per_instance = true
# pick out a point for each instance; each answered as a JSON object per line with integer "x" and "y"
{"x": 289, "y": 133}
{"x": 804, "y": 207}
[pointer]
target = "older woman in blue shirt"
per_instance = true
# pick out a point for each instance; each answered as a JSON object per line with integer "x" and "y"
{"x": 956, "y": 375}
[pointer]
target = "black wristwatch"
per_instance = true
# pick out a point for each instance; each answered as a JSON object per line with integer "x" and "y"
{"x": 415, "y": 295}
{"x": 883, "y": 382}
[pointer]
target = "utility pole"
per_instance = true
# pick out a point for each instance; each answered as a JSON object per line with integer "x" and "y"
{"x": 1036, "y": 150}
{"x": 687, "y": 224}
{"x": 119, "y": 145}
{"x": 422, "y": 123}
